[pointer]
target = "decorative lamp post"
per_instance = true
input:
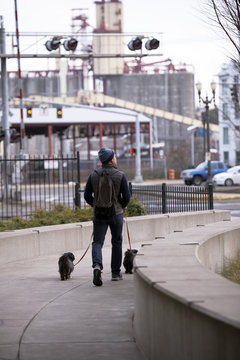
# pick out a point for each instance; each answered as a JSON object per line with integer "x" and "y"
{"x": 206, "y": 101}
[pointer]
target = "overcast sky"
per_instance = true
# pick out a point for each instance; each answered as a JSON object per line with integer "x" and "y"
{"x": 188, "y": 37}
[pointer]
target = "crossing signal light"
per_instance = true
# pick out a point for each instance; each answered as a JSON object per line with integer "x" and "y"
{"x": 132, "y": 151}
{"x": 59, "y": 113}
{"x": 29, "y": 112}
{"x": 70, "y": 45}
{"x": 53, "y": 44}
{"x": 135, "y": 44}
{"x": 152, "y": 44}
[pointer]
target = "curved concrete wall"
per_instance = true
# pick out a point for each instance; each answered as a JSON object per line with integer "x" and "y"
{"x": 182, "y": 309}
{"x": 47, "y": 240}
{"x": 215, "y": 252}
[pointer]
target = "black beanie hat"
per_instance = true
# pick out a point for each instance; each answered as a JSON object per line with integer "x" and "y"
{"x": 105, "y": 155}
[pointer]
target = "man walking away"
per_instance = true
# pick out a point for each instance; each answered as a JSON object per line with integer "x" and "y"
{"x": 108, "y": 193}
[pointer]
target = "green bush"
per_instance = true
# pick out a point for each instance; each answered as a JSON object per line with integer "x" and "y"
{"x": 135, "y": 208}
{"x": 61, "y": 214}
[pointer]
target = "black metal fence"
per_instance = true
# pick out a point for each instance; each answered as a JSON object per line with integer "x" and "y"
{"x": 28, "y": 184}
{"x": 164, "y": 199}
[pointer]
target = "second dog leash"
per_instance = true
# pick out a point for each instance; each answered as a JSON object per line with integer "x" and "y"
{"x": 85, "y": 250}
{"x": 130, "y": 248}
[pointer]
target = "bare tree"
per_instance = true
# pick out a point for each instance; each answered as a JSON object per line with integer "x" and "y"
{"x": 226, "y": 13}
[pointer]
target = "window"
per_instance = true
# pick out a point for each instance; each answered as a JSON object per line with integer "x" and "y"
{"x": 225, "y": 111}
{"x": 220, "y": 165}
{"x": 235, "y": 79}
{"x": 237, "y": 157}
{"x": 224, "y": 88}
{"x": 226, "y": 157}
{"x": 225, "y": 136}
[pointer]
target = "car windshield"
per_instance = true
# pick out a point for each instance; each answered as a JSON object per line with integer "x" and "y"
{"x": 201, "y": 166}
{"x": 231, "y": 170}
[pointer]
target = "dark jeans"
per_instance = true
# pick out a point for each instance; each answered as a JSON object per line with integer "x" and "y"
{"x": 99, "y": 231}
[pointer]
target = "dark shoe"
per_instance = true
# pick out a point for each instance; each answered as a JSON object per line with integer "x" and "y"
{"x": 117, "y": 277}
{"x": 97, "y": 279}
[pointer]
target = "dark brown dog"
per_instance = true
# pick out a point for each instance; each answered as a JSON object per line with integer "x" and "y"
{"x": 66, "y": 266}
{"x": 128, "y": 260}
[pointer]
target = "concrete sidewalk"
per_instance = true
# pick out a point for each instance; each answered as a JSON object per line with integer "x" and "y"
{"x": 43, "y": 318}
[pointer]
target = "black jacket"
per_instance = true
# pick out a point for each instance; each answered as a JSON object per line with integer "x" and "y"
{"x": 124, "y": 193}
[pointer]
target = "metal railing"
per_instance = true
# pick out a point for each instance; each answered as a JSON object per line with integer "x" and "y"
{"x": 158, "y": 199}
{"x": 28, "y": 184}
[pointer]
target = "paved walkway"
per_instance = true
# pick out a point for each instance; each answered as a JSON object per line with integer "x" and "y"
{"x": 43, "y": 318}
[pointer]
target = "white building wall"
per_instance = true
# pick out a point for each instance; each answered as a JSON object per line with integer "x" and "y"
{"x": 229, "y": 118}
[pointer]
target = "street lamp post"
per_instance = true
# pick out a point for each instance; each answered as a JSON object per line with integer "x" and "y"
{"x": 192, "y": 130}
{"x": 207, "y": 102}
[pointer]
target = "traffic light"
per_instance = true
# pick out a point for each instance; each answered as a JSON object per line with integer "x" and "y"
{"x": 29, "y": 112}
{"x": 135, "y": 44}
{"x": 70, "y": 45}
{"x": 132, "y": 151}
{"x": 152, "y": 44}
{"x": 59, "y": 113}
{"x": 53, "y": 44}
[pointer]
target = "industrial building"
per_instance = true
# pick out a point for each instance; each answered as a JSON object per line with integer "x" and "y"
{"x": 159, "y": 85}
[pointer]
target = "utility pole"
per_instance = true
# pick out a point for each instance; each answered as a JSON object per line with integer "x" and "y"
{"x": 5, "y": 123}
{"x": 138, "y": 177}
{"x": 22, "y": 128}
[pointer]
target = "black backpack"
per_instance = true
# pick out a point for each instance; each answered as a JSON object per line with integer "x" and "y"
{"x": 105, "y": 197}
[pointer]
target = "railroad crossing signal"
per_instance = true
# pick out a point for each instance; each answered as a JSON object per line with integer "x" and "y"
{"x": 152, "y": 44}
{"x": 53, "y": 44}
{"x": 70, "y": 45}
{"x": 136, "y": 44}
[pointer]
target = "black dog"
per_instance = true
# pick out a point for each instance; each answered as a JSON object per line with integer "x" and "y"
{"x": 128, "y": 260}
{"x": 66, "y": 266}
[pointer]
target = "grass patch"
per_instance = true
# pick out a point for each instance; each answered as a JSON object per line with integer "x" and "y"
{"x": 232, "y": 270}
{"x": 61, "y": 214}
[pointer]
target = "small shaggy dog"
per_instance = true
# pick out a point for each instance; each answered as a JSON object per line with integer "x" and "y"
{"x": 128, "y": 260}
{"x": 66, "y": 266}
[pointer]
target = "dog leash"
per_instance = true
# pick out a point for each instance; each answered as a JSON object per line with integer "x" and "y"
{"x": 130, "y": 248}
{"x": 85, "y": 250}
